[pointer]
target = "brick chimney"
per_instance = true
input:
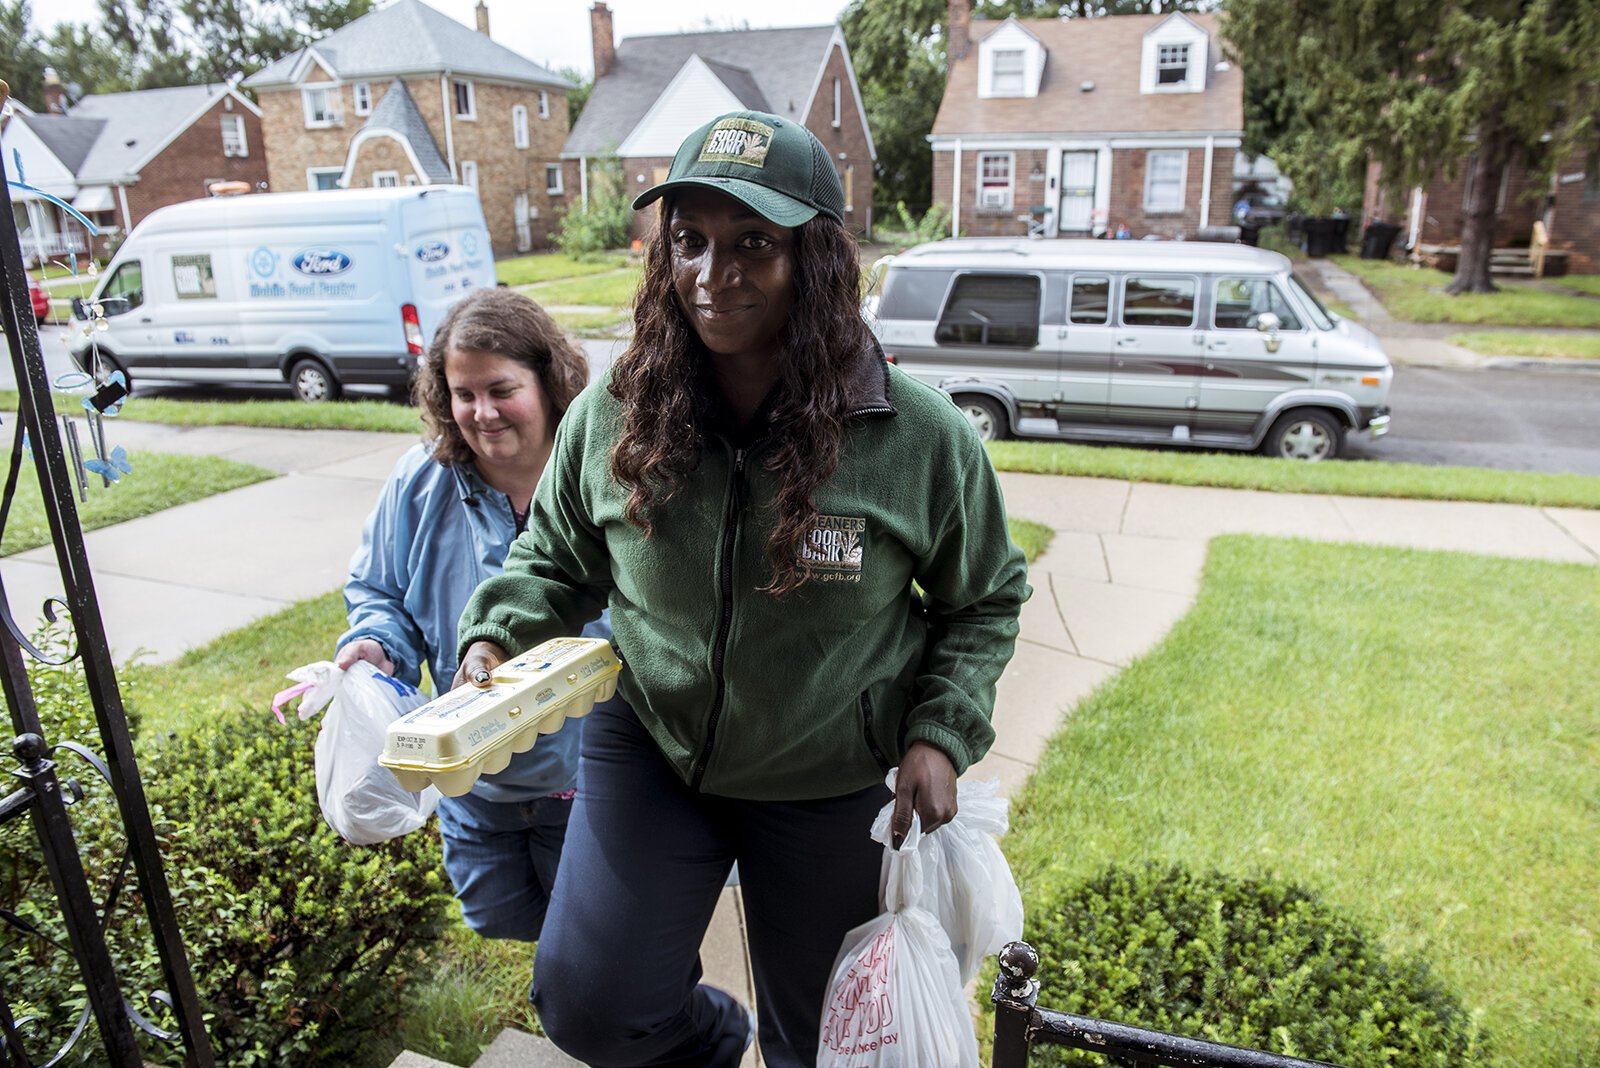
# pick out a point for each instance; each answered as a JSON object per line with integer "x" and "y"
{"x": 960, "y": 38}
{"x": 483, "y": 18}
{"x": 55, "y": 96}
{"x": 605, "y": 49}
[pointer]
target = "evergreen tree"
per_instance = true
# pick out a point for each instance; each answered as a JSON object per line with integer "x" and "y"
{"x": 1420, "y": 86}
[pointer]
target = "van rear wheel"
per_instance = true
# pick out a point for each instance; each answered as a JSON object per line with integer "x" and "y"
{"x": 985, "y": 415}
{"x": 1305, "y": 434}
{"x": 312, "y": 381}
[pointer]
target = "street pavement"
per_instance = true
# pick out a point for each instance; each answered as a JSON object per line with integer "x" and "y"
{"x": 1123, "y": 567}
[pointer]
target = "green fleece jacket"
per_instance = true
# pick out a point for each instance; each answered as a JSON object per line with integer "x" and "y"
{"x": 816, "y": 693}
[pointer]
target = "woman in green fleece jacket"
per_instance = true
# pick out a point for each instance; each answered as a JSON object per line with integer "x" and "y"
{"x": 810, "y": 580}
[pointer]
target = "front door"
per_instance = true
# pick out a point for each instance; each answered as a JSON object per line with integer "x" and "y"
{"x": 1159, "y": 349}
{"x": 1077, "y": 192}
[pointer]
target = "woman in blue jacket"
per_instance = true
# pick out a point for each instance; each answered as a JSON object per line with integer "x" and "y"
{"x": 495, "y": 381}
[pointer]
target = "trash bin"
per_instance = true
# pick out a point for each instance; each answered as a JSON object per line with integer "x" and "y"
{"x": 1341, "y": 232}
{"x": 1378, "y": 239}
{"x": 1249, "y": 235}
{"x": 1320, "y": 236}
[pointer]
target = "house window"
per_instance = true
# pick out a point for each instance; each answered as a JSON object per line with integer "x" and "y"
{"x": 991, "y": 309}
{"x": 469, "y": 174}
{"x": 322, "y": 107}
{"x": 1172, "y": 64}
{"x": 1164, "y": 175}
{"x": 519, "y": 214}
{"x": 519, "y": 126}
{"x": 552, "y": 179}
{"x": 465, "y": 105}
{"x": 838, "y": 103}
{"x": 320, "y": 178}
{"x": 233, "y": 140}
{"x": 1156, "y": 301}
{"x": 385, "y": 179}
{"x": 363, "y": 97}
{"x": 1005, "y": 78}
{"x": 994, "y": 181}
{"x": 544, "y": 104}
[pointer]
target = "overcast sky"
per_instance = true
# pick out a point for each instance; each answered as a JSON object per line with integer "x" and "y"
{"x": 556, "y": 32}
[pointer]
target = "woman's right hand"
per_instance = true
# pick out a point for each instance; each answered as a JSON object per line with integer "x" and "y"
{"x": 363, "y": 649}
{"x": 477, "y": 667}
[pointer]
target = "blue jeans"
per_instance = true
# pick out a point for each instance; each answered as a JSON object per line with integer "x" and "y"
{"x": 616, "y": 978}
{"x": 502, "y": 858}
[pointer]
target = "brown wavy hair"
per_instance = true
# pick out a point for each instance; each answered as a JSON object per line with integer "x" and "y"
{"x": 508, "y": 324}
{"x": 663, "y": 379}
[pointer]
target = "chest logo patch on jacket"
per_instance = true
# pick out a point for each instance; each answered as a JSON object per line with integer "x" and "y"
{"x": 834, "y": 547}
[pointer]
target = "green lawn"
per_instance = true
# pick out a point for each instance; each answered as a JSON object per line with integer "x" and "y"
{"x": 592, "y": 324}
{"x": 546, "y": 266}
{"x": 1589, "y": 283}
{"x": 1413, "y": 735}
{"x": 1563, "y": 346}
{"x": 613, "y": 289}
{"x": 1417, "y": 295}
{"x": 1345, "y": 478}
{"x": 291, "y": 414}
{"x": 158, "y": 481}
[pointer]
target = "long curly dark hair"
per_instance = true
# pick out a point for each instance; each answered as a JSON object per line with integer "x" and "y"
{"x": 661, "y": 382}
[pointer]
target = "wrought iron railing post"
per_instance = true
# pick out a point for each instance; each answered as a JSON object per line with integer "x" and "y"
{"x": 1015, "y": 993}
{"x": 56, "y": 490}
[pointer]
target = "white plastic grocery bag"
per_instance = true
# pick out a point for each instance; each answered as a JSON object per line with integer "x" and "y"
{"x": 972, "y": 891}
{"x": 360, "y": 798}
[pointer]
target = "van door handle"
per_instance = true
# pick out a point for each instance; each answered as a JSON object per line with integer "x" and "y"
{"x": 146, "y": 319}
{"x": 1127, "y": 343}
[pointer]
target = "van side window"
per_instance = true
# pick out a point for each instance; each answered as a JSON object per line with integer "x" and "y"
{"x": 991, "y": 309}
{"x": 1241, "y": 300}
{"x": 913, "y": 294}
{"x": 1155, "y": 301}
{"x": 1091, "y": 299}
{"x": 192, "y": 278}
{"x": 125, "y": 290}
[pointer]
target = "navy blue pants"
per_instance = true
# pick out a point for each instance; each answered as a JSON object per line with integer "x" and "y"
{"x": 616, "y": 976}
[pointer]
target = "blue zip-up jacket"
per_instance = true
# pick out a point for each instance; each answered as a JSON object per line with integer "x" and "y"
{"x": 436, "y": 533}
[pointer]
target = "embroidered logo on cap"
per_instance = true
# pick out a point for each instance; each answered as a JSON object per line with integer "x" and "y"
{"x": 834, "y": 548}
{"x": 737, "y": 140}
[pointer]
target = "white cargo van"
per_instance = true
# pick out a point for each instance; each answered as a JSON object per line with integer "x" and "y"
{"x": 322, "y": 290}
{"x": 1139, "y": 342}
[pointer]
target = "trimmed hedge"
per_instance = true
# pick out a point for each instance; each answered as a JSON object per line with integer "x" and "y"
{"x": 1251, "y": 962}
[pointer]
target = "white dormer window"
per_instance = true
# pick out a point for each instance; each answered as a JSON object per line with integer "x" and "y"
{"x": 1172, "y": 64}
{"x": 1010, "y": 62}
{"x": 1005, "y": 77}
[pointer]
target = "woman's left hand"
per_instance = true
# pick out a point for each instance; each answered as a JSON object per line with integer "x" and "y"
{"x": 926, "y": 785}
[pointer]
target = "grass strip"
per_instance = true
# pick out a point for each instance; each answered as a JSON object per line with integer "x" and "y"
{"x": 1350, "y": 478}
{"x": 1502, "y": 343}
{"x": 284, "y": 414}
{"x": 547, "y": 266}
{"x": 1412, "y": 734}
{"x": 158, "y": 481}
{"x": 1588, "y": 283}
{"x": 1417, "y": 295}
{"x": 613, "y": 289}
{"x": 602, "y": 324}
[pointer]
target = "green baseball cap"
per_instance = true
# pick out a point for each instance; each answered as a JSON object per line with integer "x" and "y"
{"x": 775, "y": 166}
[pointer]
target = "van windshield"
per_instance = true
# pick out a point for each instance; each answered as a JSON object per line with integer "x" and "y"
{"x": 1319, "y": 315}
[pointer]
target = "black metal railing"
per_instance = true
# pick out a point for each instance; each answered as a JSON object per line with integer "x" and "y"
{"x": 41, "y": 793}
{"x": 1019, "y": 1023}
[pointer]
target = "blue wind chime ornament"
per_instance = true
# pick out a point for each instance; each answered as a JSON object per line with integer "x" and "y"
{"x": 103, "y": 392}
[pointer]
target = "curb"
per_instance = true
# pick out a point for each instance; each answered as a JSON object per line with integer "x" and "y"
{"x": 1548, "y": 364}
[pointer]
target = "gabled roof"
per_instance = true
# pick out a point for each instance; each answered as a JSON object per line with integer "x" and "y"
{"x": 397, "y": 112}
{"x": 409, "y": 37}
{"x": 1106, "y": 51}
{"x": 780, "y": 66}
{"x": 741, "y": 83}
{"x": 69, "y": 137}
{"x": 139, "y": 124}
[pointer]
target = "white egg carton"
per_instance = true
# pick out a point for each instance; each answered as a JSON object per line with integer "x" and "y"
{"x": 469, "y": 732}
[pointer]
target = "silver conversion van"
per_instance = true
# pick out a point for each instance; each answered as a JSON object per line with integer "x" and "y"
{"x": 1135, "y": 342}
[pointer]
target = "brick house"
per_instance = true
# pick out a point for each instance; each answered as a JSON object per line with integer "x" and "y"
{"x": 1083, "y": 124}
{"x": 116, "y": 157}
{"x": 652, "y": 91}
{"x": 406, "y": 95}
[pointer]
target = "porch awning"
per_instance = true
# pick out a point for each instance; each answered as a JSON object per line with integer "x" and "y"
{"x": 93, "y": 198}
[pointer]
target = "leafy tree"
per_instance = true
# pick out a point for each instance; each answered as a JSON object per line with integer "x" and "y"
{"x": 85, "y": 56}
{"x": 578, "y": 97}
{"x": 148, "y": 36}
{"x": 234, "y": 38}
{"x": 1429, "y": 84}
{"x": 25, "y": 62}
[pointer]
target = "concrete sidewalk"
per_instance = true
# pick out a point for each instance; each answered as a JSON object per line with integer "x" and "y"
{"x": 1124, "y": 566}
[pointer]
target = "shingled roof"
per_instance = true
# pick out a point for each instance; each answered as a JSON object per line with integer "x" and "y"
{"x": 409, "y": 37}
{"x": 136, "y": 124}
{"x": 67, "y": 136}
{"x": 768, "y": 70}
{"x": 397, "y": 111}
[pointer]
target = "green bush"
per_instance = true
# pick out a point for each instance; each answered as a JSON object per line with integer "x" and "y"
{"x": 299, "y": 943}
{"x": 603, "y": 225}
{"x": 1251, "y": 962}
{"x": 934, "y": 225}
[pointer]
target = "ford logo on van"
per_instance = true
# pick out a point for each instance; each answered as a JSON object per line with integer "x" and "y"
{"x": 320, "y": 261}
{"x": 432, "y": 251}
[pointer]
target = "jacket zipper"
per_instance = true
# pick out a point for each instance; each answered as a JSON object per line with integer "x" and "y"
{"x": 872, "y": 742}
{"x": 719, "y": 650}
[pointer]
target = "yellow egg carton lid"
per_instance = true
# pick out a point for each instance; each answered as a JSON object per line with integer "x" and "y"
{"x": 469, "y": 732}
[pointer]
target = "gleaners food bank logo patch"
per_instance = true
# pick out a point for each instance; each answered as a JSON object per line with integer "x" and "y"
{"x": 834, "y": 547}
{"x": 737, "y": 141}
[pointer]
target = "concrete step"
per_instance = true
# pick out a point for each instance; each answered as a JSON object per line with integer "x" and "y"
{"x": 518, "y": 1049}
{"x": 417, "y": 1060}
